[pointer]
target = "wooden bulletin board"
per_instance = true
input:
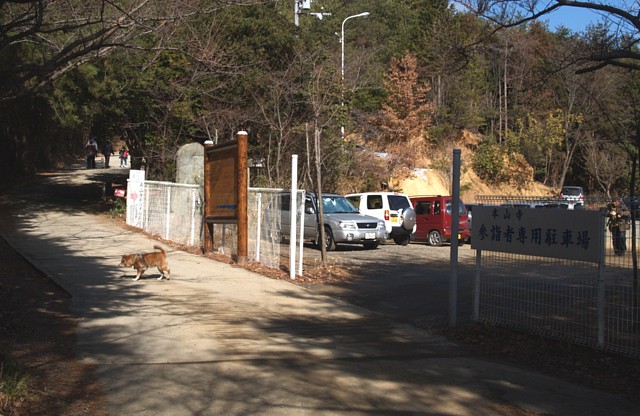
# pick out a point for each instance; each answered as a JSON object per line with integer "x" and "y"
{"x": 221, "y": 179}
{"x": 226, "y": 189}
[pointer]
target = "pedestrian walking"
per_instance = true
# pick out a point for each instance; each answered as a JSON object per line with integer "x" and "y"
{"x": 618, "y": 224}
{"x": 124, "y": 154}
{"x": 90, "y": 151}
{"x": 107, "y": 151}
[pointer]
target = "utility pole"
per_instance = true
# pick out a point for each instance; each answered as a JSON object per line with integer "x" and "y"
{"x": 304, "y": 7}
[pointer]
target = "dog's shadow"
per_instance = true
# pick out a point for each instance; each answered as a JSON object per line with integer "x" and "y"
{"x": 152, "y": 276}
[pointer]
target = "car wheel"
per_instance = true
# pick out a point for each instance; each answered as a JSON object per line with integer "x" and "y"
{"x": 371, "y": 245}
{"x": 330, "y": 243}
{"x": 461, "y": 242}
{"x": 435, "y": 238}
{"x": 401, "y": 240}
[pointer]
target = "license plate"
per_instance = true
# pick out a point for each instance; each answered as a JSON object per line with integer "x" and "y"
{"x": 369, "y": 236}
{"x": 458, "y": 236}
{"x": 394, "y": 219}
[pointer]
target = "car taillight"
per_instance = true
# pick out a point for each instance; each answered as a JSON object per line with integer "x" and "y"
{"x": 386, "y": 215}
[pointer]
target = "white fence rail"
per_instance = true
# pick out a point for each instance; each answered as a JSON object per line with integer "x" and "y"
{"x": 174, "y": 212}
{"x": 169, "y": 210}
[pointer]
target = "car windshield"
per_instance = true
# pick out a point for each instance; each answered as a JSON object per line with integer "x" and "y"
{"x": 337, "y": 204}
{"x": 397, "y": 202}
{"x": 461, "y": 209}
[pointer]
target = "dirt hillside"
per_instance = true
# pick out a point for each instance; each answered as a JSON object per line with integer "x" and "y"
{"x": 426, "y": 180}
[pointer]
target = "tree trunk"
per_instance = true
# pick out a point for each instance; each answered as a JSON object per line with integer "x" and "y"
{"x": 317, "y": 133}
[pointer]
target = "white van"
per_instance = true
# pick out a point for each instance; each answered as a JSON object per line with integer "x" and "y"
{"x": 393, "y": 208}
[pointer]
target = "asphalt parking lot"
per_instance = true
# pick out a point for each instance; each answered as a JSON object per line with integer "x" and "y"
{"x": 408, "y": 283}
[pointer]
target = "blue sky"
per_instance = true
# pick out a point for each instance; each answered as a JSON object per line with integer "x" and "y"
{"x": 572, "y": 18}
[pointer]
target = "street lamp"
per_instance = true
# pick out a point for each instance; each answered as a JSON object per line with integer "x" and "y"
{"x": 342, "y": 61}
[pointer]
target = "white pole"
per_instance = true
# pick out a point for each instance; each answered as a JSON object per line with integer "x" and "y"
{"x": 301, "y": 243}
{"x": 342, "y": 61}
{"x": 194, "y": 206}
{"x": 293, "y": 210}
{"x": 168, "y": 220}
{"x": 259, "y": 226}
{"x": 145, "y": 208}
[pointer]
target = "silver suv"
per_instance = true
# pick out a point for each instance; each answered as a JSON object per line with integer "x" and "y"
{"x": 342, "y": 222}
{"x": 393, "y": 208}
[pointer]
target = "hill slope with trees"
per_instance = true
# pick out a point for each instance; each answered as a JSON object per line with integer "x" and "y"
{"x": 411, "y": 78}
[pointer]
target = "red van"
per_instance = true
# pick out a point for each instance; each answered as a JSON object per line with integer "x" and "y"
{"x": 433, "y": 220}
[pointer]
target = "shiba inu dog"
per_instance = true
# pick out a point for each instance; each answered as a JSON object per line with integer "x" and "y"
{"x": 142, "y": 261}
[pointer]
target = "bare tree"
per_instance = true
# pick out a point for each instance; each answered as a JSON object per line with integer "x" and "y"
{"x": 278, "y": 107}
{"x": 614, "y": 42}
{"x": 324, "y": 111}
{"x": 603, "y": 161}
{"x": 47, "y": 39}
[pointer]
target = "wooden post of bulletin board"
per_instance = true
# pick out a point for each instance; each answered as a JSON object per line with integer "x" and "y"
{"x": 225, "y": 191}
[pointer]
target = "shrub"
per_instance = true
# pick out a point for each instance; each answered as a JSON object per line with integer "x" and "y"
{"x": 14, "y": 383}
{"x": 489, "y": 163}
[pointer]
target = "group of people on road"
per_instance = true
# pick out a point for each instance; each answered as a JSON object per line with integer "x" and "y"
{"x": 91, "y": 151}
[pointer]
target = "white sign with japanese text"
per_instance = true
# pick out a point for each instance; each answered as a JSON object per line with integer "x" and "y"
{"x": 135, "y": 198}
{"x": 546, "y": 232}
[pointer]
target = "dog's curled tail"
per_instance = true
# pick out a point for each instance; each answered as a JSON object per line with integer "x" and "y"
{"x": 157, "y": 247}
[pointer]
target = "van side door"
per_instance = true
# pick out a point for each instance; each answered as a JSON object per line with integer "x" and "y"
{"x": 423, "y": 219}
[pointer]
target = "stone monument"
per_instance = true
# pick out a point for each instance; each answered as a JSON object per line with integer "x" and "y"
{"x": 190, "y": 164}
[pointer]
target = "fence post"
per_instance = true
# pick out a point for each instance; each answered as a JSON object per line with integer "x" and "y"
{"x": 145, "y": 204}
{"x": 259, "y": 225}
{"x": 193, "y": 217}
{"x": 455, "y": 209}
{"x": 292, "y": 221}
{"x": 167, "y": 224}
{"x": 476, "y": 286}
{"x": 601, "y": 287}
{"x": 301, "y": 243}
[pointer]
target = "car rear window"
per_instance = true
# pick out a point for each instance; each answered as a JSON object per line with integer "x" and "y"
{"x": 397, "y": 202}
{"x": 571, "y": 191}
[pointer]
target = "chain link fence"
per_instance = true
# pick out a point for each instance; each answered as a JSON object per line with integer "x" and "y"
{"x": 169, "y": 210}
{"x": 264, "y": 211}
{"x": 576, "y": 301}
{"x": 174, "y": 212}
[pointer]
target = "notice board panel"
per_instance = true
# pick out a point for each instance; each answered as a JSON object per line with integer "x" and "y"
{"x": 221, "y": 183}
{"x": 545, "y": 232}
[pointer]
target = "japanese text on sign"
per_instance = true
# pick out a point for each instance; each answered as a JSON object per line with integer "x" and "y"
{"x": 546, "y": 232}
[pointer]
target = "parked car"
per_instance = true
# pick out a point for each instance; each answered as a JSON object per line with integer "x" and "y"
{"x": 572, "y": 194}
{"x": 393, "y": 208}
{"x": 470, "y": 208}
{"x": 343, "y": 223}
{"x": 433, "y": 220}
{"x": 632, "y": 205}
